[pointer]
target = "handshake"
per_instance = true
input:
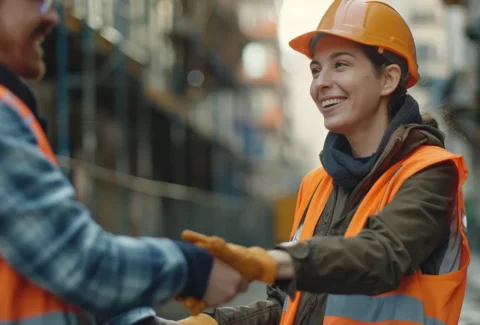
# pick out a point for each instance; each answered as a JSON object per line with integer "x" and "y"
{"x": 233, "y": 269}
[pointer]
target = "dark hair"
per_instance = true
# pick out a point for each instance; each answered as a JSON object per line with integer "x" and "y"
{"x": 397, "y": 99}
{"x": 429, "y": 120}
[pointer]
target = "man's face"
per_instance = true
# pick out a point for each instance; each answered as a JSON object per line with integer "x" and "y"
{"x": 24, "y": 24}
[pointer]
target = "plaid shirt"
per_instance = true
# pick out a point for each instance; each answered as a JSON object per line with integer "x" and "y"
{"x": 49, "y": 237}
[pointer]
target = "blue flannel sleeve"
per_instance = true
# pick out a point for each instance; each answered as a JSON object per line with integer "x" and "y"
{"x": 49, "y": 237}
{"x": 131, "y": 317}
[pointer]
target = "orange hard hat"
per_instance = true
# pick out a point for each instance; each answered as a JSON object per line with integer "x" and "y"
{"x": 368, "y": 22}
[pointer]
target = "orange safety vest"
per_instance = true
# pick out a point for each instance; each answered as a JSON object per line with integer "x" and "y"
{"x": 21, "y": 301}
{"x": 420, "y": 299}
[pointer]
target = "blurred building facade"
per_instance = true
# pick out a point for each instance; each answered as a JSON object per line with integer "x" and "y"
{"x": 168, "y": 114}
{"x": 270, "y": 120}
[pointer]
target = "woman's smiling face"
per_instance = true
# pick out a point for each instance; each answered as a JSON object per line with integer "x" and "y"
{"x": 346, "y": 87}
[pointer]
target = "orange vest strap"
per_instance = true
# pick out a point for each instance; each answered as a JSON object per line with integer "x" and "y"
{"x": 304, "y": 215}
{"x": 307, "y": 190}
{"x": 27, "y": 115}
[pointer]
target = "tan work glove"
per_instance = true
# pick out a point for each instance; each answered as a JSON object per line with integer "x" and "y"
{"x": 253, "y": 263}
{"x": 200, "y": 319}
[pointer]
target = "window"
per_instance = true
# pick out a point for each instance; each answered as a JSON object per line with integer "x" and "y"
{"x": 426, "y": 52}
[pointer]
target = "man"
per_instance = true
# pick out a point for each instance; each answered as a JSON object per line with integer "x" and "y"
{"x": 56, "y": 264}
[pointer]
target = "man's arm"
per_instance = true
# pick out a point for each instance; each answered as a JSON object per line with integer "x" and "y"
{"x": 50, "y": 238}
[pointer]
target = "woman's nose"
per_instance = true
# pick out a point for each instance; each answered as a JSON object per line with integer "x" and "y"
{"x": 323, "y": 80}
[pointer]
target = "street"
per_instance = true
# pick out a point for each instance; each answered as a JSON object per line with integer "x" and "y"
{"x": 471, "y": 311}
{"x": 471, "y": 307}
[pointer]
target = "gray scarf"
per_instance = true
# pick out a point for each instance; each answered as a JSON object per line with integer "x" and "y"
{"x": 337, "y": 158}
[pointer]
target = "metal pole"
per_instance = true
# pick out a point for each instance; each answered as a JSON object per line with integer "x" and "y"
{"x": 89, "y": 93}
{"x": 216, "y": 159}
{"x": 149, "y": 216}
{"x": 178, "y": 152}
{"x": 121, "y": 101}
{"x": 63, "y": 109}
{"x": 219, "y": 168}
{"x": 178, "y": 138}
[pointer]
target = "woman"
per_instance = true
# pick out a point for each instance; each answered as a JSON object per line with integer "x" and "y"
{"x": 380, "y": 228}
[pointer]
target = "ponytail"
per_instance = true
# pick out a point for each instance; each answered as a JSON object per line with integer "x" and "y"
{"x": 429, "y": 120}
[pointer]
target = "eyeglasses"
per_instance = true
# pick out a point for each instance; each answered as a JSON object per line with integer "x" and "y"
{"x": 45, "y": 6}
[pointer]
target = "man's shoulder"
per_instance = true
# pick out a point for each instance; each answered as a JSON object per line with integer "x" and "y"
{"x": 313, "y": 175}
{"x": 14, "y": 129}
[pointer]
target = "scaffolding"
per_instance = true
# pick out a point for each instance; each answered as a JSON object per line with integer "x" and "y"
{"x": 134, "y": 37}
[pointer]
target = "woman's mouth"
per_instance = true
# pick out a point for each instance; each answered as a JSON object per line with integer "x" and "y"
{"x": 331, "y": 103}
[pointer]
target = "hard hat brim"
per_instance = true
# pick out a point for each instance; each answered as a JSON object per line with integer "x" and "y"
{"x": 302, "y": 44}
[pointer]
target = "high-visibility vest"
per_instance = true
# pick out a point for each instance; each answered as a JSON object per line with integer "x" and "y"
{"x": 21, "y": 301}
{"x": 420, "y": 299}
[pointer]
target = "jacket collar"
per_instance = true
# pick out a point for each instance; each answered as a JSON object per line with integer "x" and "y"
{"x": 14, "y": 84}
{"x": 20, "y": 89}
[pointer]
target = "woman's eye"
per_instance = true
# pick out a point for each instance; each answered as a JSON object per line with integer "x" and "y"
{"x": 339, "y": 64}
{"x": 315, "y": 71}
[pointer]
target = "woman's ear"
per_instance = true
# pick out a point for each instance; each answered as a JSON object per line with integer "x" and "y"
{"x": 391, "y": 78}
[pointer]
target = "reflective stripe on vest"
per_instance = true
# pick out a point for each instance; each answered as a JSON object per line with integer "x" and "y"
{"x": 420, "y": 299}
{"x": 21, "y": 301}
{"x": 359, "y": 309}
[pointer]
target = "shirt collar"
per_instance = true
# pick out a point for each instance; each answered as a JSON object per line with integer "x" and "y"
{"x": 20, "y": 89}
